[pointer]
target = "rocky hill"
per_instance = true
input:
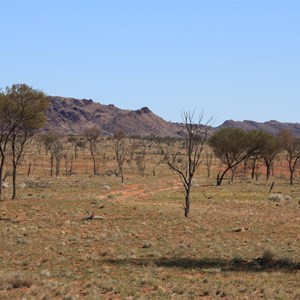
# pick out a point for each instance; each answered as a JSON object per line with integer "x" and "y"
{"x": 73, "y": 116}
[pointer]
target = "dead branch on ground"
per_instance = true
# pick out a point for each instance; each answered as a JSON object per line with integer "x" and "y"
{"x": 9, "y": 220}
{"x": 91, "y": 217}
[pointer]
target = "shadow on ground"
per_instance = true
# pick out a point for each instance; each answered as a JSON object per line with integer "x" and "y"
{"x": 207, "y": 264}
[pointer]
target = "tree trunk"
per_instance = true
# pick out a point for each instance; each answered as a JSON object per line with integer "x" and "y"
{"x": 51, "y": 166}
{"x": 1, "y": 174}
{"x": 253, "y": 167}
{"x": 291, "y": 177}
{"x": 122, "y": 176}
{"x": 220, "y": 177}
{"x": 256, "y": 172}
{"x": 94, "y": 164}
{"x": 29, "y": 169}
{"x": 14, "y": 182}
{"x": 187, "y": 202}
{"x": 268, "y": 171}
{"x": 57, "y": 168}
{"x": 75, "y": 152}
{"x": 292, "y": 166}
{"x": 232, "y": 174}
{"x": 208, "y": 164}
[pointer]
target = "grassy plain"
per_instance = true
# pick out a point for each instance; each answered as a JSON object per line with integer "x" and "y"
{"x": 236, "y": 244}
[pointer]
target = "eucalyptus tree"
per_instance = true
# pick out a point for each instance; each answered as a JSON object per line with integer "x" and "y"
{"x": 92, "y": 136}
{"x": 232, "y": 146}
{"x": 22, "y": 113}
{"x": 270, "y": 150}
{"x": 291, "y": 146}
{"x": 6, "y": 128}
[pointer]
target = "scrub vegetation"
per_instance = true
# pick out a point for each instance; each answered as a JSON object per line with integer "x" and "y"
{"x": 98, "y": 229}
{"x": 235, "y": 244}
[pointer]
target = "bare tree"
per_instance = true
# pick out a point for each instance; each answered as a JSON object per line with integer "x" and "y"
{"x": 92, "y": 136}
{"x": 32, "y": 162}
{"x": 48, "y": 140}
{"x": 104, "y": 155}
{"x": 39, "y": 140}
{"x": 72, "y": 139}
{"x": 58, "y": 151}
{"x": 54, "y": 146}
{"x": 208, "y": 160}
{"x": 68, "y": 160}
{"x": 186, "y": 164}
{"x": 139, "y": 153}
{"x": 121, "y": 150}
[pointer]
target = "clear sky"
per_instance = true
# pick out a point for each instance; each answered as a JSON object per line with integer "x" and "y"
{"x": 232, "y": 59}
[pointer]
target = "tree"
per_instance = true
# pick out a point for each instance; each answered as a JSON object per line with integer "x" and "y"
{"x": 92, "y": 136}
{"x": 139, "y": 155}
{"x": 232, "y": 146}
{"x": 54, "y": 146}
{"x": 73, "y": 140}
{"x": 48, "y": 140}
{"x": 208, "y": 160}
{"x": 6, "y": 128}
{"x": 254, "y": 160}
{"x": 186, "y": 164}
{"x": 269, "y": 151}
{"x": 291, "y": 145}
{"x": 58, "y": 153}
{"x": 121, "y": 150}
{"x": 22, "y": 112}
{"x": 68, "y": 158}
{"x": 18, "y": 141}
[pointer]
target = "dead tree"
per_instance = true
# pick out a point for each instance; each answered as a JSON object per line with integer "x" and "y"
{"x": 139, "y": 156}
{"x": 68, "y": 159}
{"x": 208, "y": 157}
{"x": 186, "y": 161}
{"x": 121, "y": 149}
{"x": 54, "y": 146}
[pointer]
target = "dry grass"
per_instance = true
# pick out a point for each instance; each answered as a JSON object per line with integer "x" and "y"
{"x": 144, "y": 248}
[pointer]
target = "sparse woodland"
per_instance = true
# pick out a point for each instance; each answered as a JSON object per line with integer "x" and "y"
{"x": 240, "y": 156}
{"x": 100, "y": 217}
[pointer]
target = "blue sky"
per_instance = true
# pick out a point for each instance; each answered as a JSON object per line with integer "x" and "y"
{"x": 232, "y": 59}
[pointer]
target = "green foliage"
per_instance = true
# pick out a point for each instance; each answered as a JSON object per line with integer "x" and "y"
{"x": 229, "y": 144}
{"x": 24, "y": 106}
{"x": 234, "y": 145}
{"x": 22, "y": 111}
{"x": 291, "y": 145}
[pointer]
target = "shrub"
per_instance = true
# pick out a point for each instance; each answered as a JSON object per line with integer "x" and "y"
{"x": 14, "y": 281}
{"x": 267, "y": 256}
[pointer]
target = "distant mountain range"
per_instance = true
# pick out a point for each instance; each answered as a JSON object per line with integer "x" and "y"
{"x": 273, "y": 127}
{"x": 73, "y": 116}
